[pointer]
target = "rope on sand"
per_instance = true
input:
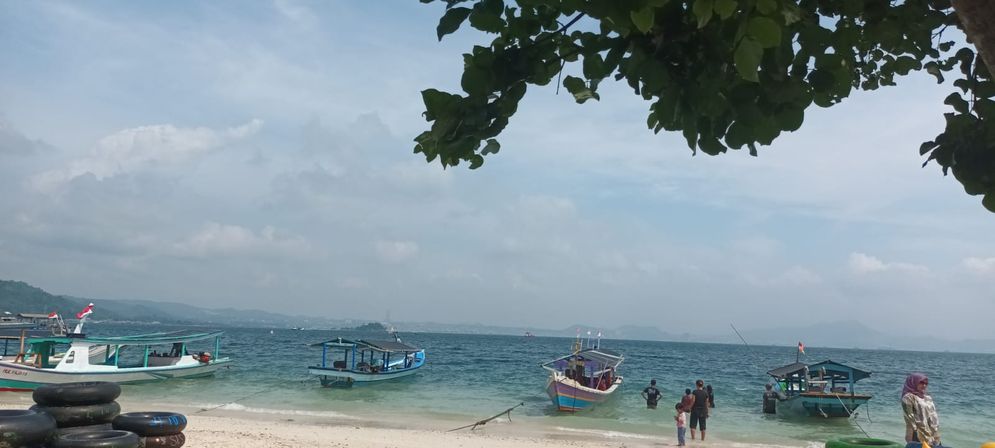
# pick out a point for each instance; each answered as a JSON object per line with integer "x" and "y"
{"x": 483, "y": 422}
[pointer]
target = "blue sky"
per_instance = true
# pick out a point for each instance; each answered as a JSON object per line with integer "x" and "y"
{"x": 259, "y": 154}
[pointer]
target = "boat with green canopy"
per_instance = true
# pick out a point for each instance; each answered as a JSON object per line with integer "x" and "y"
{"x": 824, "y": 389}
{"x": 119, "y": 359}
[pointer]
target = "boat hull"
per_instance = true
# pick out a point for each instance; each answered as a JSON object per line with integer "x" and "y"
{"x": 569, "y": 396}
{"x": 19, "y": 377}
{"x": 344, "y": 378}
{"x": 825, "y": 405}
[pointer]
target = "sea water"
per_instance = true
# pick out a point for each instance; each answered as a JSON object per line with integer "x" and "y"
{"x": 470, "y": 377}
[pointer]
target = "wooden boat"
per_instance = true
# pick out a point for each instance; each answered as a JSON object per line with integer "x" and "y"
{"x": 824, "y": 389}
{"x": 583, "y": 378}
{"x": 124, "y": 359}
{"x": 346, "y": 362}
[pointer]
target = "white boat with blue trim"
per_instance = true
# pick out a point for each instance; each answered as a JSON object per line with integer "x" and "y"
{"x": 75, "y": 357}
{"x": 345, "y": 362}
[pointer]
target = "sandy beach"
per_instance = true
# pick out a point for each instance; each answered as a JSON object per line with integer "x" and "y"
{"x": 228, "y": 427}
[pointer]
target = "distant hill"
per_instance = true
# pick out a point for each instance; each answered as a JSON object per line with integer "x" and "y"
{"x": 19, "y": 297}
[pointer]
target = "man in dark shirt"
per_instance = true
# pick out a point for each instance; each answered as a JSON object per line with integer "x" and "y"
{"x": 652, "y": 395}
{"x": 699, "y": 408}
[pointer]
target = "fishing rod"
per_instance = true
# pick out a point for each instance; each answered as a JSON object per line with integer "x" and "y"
{"x": 754, "y": 354}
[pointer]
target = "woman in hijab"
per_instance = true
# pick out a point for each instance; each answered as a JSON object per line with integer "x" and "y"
{"x": 921, "y": 422}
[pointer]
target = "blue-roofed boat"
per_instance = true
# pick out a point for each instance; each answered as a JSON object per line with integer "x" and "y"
{"x": 346, "y": 362}
{"x": 824, "y": 389}
{"x": 584, "y": 378}
{"x": 121, "y": 359}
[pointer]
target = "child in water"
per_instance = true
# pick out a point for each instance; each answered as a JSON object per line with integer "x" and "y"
{"x": 681, "y": 418}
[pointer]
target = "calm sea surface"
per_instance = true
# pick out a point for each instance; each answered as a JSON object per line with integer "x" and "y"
{"x": 470, "y": 377}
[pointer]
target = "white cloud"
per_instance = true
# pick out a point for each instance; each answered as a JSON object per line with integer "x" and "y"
{"x": 295, "y": 11}
{"x": 396, "y": 251}
{"x": 861, "y": 263}
{"x": 216, "y": 239}
{"x": 138, "y": 148}
{"x": 980, "y": 265}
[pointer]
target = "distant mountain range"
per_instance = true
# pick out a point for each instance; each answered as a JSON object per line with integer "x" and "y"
{"x": 20, "y": 297}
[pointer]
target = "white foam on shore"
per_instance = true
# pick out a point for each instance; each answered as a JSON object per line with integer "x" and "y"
{"x": 242, "y": 408}
{"x": 609, "y": 434}
{"x": 628, "y": 435}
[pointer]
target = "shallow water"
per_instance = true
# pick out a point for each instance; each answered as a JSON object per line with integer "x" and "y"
{"x": 469, "y": 377}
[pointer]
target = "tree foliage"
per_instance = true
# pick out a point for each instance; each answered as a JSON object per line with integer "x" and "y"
{"x": 725, "y": 73}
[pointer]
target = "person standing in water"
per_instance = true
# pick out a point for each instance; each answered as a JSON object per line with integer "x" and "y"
{"x": 922, "y": 424}
{"x": 770, "y": 400}
{"x": 686, "y": 400}
{"x": 711, "y": 396}
{"x": 699, "y": 408}
{"x": 652, "y": 395}
{"x": 680, "y": 417}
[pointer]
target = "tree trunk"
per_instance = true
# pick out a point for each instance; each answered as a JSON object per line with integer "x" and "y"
{"x": 978, "y": 18}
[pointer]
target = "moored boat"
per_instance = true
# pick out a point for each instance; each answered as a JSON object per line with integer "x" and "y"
{"x": 346, "y": 362}
{"x": 824, "y": 389}
{"x": 74, "y": 357}
{"x": 583, "y": 378}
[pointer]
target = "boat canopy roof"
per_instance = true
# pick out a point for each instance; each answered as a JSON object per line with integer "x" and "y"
{"x": 830, "y": 367}
{"x": 604, "y": 356}
{"x": 170, "y": 337}
{"x": 380, "y": 346}
{"x": 839, "y": 371}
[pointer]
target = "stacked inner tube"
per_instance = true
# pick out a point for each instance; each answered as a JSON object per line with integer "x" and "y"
{"x": 79, "y": 407}
{"x": 25, "y": 428}
{"x": 156, "y": 429}
{"x": 83, "y": 413}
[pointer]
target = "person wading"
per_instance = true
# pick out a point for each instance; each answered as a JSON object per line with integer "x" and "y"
{"x": 652, "y": 395}
{"x": 699, "y": 408}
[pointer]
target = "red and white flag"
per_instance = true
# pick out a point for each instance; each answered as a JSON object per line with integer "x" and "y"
{"x": 86, "y": 312}
{"x": 801, "y": 347}
{"x": 53, "y": 315}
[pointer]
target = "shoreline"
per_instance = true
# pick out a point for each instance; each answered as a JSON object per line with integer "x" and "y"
{"x": 232, "y": 425}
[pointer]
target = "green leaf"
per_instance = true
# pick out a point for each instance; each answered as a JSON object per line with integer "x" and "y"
{"x": 711, "y": 146}
{"x": 747, "y": 59}
{"x": 703, "y": 9}
{"x": 492, "y": 147}
{"x": 790, "y": 119}
{"x": 594, "y": 66}
{"x": 725, "y": 8}
{"x": 476, "y": 81}
{"x": 475, "y": 161}
{"x": 643, "y": 19}
{"x": 486, "y": 21}
{"x": 934, "y": 69}
{"x": 958, "y": 103}
{"x": 438, "y": 103}
{"x": 451, "y": 21}
{"x": 989, "y": 202}
{"x": 765, "y": 31}
{"x": 579, "y": 89}
{"x": 821, "y": 80}
{"x": 767, "y": 7}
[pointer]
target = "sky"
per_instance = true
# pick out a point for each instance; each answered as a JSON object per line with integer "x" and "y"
{"x": 259, "y": 155}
